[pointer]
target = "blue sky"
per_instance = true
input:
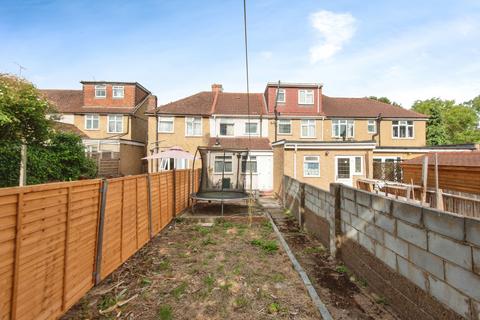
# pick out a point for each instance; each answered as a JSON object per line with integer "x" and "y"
{"x": 405, "y": 50}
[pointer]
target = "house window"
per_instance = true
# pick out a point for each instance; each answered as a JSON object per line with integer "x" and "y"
{"x": 372, "y": 126}
{"x": 91, "y": 121}
{"x": 194, "y": 126}
{"x": 358, "y": 163}
{"x": 100, "y": 91}
{"x": 223, "y": 162}
{"x": 165, "y": 125}
{"x": 249, "y": 164}
{"x": 118, "y": 92}
{"x": 343, "y": 128}
{"x": 227, "y": 129}
{"x": 305, "y": 96}
{"x": 311, "y": 166}
{"x": 307, "y": 128}
{"x": 281, "y": 95}
{"x": 251, "y": 128}
{"x": 115, "y": 123}
{"x": 402, "y": 129}
{"x": 284, "y": 126}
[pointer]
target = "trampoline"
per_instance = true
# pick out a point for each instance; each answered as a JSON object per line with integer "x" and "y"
{"x": 223, "y": 176}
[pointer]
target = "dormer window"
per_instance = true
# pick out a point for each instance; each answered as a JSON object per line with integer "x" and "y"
{"x": 100, "y": 91}
{"x": 305, "y": 96}
{"x": 118, "y": 92}
{"x": 281, "y": 95}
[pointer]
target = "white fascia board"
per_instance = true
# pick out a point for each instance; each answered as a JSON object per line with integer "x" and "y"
{"x": 413, "y": 150}
{"x": 331, "y": 146}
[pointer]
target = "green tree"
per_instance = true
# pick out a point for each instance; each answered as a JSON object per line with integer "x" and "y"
{"x": 385, "y": 100}
{"x": 461, "y": 124}
{"x": 436, "y": 134}
{"x": 426, "y": 106}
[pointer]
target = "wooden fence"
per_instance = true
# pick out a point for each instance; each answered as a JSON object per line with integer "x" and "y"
{"x": 58, "y": 240}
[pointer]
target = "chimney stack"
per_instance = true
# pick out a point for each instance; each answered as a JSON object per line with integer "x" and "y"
{"x": 216, "y": 87}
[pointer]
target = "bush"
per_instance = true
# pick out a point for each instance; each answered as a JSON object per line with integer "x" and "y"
{"x": 61, "y": 158}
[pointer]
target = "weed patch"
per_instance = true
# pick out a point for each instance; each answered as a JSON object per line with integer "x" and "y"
{"x": 268, "y": 246}
{"x": 165, "y": 313}
{"x": 179, "y": 290}
{"x": 341, "y": 269}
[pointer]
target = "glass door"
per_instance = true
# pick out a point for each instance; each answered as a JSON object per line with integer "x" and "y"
{"x": 343, "y": 172}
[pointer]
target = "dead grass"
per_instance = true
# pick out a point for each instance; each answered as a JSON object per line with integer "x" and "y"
{"x": 227, "y": 271}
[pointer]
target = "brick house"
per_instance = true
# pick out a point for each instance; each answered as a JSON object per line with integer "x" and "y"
{"x": 111, "y": 117}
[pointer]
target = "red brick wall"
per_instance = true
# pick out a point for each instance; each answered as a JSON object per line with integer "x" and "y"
{"x": 90, "y": 100}
{"x": 291, "y": 102}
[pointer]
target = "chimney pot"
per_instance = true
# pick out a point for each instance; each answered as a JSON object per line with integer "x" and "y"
{"x": 216, "y": 87}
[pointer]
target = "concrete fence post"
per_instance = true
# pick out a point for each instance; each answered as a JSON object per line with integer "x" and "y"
{"x": 101, "y": 223}
{"x": 334, "y": 219}
{"x": 301, "y": 207}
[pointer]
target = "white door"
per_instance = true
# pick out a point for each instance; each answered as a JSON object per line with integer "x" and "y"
{"x": 343, "y": 170}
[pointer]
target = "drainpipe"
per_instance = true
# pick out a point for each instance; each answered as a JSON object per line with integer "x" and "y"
{"x": 295, "y": 162}
{"x": 377, "y": 133}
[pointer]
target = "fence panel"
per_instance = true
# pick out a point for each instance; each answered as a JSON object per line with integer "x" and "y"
{"x": 49, "y": 236}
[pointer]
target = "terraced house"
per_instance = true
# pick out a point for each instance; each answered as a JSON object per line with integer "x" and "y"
{"x": 111, "y": 117}
{"x": 295, "y": 130}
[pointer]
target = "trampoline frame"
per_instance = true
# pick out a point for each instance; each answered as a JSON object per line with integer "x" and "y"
{"x": 196, "y": 196}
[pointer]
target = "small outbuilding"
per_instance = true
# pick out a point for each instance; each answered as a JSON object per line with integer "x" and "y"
{"x": 457, "y": 171}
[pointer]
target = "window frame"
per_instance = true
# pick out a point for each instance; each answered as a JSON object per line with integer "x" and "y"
{"x": 256, "y": 133}
{"x": 193, "y": 121}
{"x": 346, "y": 128}
{"x": 305, "y": 161}
{"x": 97, "y": 87}
{"x": 86, "y": 121}
{"x": 113, "y": 92}
{"x": 302, "y": 124}
{"x": 399, "y": 125}
{"x": 289, "y": 123}
{"x": 354, "y": 171}
{"x": 284, "y": 95}
{"x": 305, "y": 91}
{"x": 166, "y": 119}
{"x": 226, "y": 123}
{"x": 246, "y": 160}
{"x": 374, "y": 126}
{"x": 224, "y": 158}
{"x": 110, "y": 120}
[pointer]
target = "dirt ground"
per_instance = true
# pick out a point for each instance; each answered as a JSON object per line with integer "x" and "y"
{"x": 345, "y": 296}
{"x": 225, "y": 271}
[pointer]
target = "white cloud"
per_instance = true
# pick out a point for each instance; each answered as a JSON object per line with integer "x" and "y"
{"x": 335, "y": 29}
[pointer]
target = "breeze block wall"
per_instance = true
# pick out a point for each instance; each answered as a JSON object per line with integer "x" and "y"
{"x": 424, "y": 262}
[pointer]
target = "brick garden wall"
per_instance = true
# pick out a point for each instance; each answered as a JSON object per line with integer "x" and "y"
{"x": 425, "y": 262}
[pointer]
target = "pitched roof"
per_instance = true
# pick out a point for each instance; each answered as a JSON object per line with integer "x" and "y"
{"x": 456, "y": 159}
{"x": 242, "y": 143}
{"x": 364, "y": 107}
{"x": 236, "y": 103}
{"x": 204, "y": 103}
{"x": 197, "y": 104}
{"x": 71, "y": 101}
{"x": 70, "y": 128}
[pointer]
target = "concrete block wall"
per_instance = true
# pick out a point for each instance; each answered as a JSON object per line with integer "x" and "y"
{"x": 424, "y": 261}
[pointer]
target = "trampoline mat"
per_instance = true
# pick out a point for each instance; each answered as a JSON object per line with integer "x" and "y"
{"x": 219, "y": 195}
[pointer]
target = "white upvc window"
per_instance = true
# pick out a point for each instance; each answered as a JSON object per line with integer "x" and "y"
{"x": 251, "y": 128}
{"x": 402, "y": 129}
{"x": 358, "y": 165}
{"x": 227, "y": 128}
{"x": 118, "y": 92}
{"x": 307, "y": 128}
{"x": 281, "y": 95}
{"x": 165, "y": 124}
{"x": 284, "y": 126}
{"x": 100, "y": 91}
{"x": 311, "y": 166}
{"x": 223, "y": 163}
{"x": 92, "y": 121}
{"x": 193, "y": 126}
{"x": 115, "y": 123}
{"x": 372, "y": 126}
{"x": 305, "y": 96}
{"x": 249, "y": 164}
{"x": 343, "y": 128}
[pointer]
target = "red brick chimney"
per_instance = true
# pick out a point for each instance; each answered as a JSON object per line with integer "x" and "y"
{"x": 216, "y": 87}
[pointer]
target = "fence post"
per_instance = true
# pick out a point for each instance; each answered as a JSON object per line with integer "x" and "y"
{"x": 335, "y": 220}
{"x": 66, "y": 252}
{"x": 18, "y": 237}
{"x": 101, "y": 222}
{"x": 149, "y": 195}
{"x": 301, "y": 209}
{"x": 174, "y": 193}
